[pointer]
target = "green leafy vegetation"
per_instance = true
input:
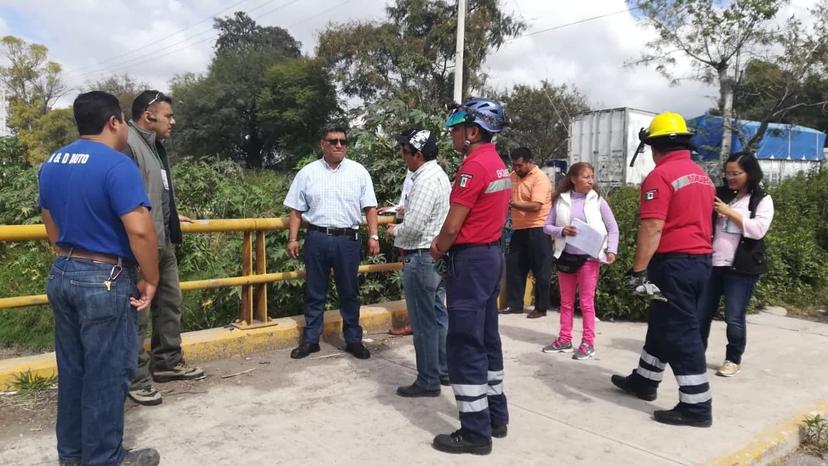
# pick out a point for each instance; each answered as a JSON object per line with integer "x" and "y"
{"x": 29, "y": 383}
{"x": 815, "y": 434}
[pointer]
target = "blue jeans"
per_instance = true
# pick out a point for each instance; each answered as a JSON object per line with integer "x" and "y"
{"x": 736, "y": 289}
{"x": 96, "y": 332}
{"x": 425, "y": 295}
{"x": 342, "y": 253}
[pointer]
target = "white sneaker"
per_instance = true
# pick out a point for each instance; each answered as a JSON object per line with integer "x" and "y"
{"x": 728, "y": 369}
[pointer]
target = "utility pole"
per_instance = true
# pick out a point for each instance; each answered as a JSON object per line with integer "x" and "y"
{"x": 458, "y": 58}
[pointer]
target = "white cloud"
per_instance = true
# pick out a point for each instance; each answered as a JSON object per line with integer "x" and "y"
{"x": 153, "y": 40}
{"x": 591, "y": 56}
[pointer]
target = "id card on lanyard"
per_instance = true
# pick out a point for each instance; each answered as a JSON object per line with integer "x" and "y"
{"x": 164, "y": 180}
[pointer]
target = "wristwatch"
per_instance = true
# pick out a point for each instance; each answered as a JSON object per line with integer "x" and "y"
{"x": 374, "y": 237}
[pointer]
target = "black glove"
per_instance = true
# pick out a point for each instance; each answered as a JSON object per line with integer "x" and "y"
{"x": 640, "y": 286}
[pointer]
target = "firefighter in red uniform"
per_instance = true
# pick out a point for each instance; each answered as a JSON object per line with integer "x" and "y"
{"x": 672, "y": 264}
{"x": 470, "y": 242}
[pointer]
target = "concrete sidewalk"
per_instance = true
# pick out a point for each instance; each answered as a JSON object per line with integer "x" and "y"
{"x": 333, "y": 409}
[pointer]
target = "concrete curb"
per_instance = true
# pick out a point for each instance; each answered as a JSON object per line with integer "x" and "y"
{"x": 226, "y": 342}
{"x": 773, "y": 443}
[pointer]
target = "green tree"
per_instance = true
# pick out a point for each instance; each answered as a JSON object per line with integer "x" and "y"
{"x": 540, "y": 118}
{"x": 220, "y": 113}
{"x": 30, "y": 77}
{"x": 297, "y": 99}
{"x": 410, "y": 55}
{"x": 48, "y": 133}
{"x": 11, "y": 152}
{"x": 33, "y": 84}
{"x": 789, "y": 87}
{"x": 713, "y": 34}
{"x": 123, "y": 86}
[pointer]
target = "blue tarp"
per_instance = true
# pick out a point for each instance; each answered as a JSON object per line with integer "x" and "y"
{"x": 781, "y": 141}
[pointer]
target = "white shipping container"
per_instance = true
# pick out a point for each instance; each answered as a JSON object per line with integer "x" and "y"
{"x": 607, "y": 139}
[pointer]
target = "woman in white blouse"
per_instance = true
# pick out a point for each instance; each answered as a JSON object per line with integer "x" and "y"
{"x": 743, "y": 214}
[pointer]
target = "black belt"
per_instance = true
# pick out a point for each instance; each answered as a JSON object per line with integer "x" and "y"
{"x": 679, "y": 255}
{"x": 335, "y": 231}
{"x": 459, "y": 247}
{"x": 415, "y": 251}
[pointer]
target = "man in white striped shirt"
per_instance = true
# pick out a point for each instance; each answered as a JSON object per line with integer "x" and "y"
{"x": 426, "y": 207}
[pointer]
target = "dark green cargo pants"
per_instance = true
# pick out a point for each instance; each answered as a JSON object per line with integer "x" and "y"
{"x": 165, "y": 313}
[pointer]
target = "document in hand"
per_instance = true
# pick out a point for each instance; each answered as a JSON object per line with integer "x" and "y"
{"x": 586, "y": 238}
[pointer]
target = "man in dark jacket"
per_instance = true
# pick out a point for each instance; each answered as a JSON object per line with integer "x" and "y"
{"x": 152, "y": 122}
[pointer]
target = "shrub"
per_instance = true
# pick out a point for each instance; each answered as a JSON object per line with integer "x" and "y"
{"x": 797, "y": 241}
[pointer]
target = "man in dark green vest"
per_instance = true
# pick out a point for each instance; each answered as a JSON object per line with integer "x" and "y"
{"x": 152, "y": 123}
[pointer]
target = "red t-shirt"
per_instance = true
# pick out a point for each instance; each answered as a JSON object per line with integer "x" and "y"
{"x": 483, "y": 185}
{"x": 679, "y": 192}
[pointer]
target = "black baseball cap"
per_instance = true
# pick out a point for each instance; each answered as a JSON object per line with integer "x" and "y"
{"x": 421, "y": 140}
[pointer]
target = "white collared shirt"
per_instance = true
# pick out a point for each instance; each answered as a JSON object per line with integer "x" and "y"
{"x": 332, "y": 197}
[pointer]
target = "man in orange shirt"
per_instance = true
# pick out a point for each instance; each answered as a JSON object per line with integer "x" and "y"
{"x": 530, "y": 248}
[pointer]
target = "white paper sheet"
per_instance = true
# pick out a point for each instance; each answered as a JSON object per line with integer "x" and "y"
{"x": 586, "y": 239}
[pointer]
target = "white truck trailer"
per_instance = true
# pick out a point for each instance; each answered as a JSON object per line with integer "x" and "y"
{"x": 607, "y": 139}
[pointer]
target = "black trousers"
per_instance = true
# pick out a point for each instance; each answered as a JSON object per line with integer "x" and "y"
{"x": 529, "y": 249}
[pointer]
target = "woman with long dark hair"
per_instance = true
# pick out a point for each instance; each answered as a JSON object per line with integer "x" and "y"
{"x": 743, "y": 214}
{"x": 576, "y": 197}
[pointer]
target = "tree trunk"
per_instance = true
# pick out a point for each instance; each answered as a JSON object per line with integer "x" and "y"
{"x": 726, "y": 95}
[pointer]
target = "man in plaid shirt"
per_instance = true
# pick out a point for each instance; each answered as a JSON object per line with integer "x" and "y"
{"x": 427, "y": 205}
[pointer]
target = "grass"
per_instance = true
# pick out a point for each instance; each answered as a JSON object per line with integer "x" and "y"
{"x": 28, "y": 383}
{"x": 815, "y": 434}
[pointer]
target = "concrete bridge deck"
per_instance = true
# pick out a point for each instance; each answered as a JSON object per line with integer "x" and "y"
{"x": 333, "y": 409}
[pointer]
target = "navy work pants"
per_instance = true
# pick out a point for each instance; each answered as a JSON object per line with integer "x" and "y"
{"x": 475, "y": 359}
{"x": 673, "y": 334}
{"x": 342, "y": 254}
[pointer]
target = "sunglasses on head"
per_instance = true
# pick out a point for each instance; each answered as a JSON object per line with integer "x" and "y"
{"x": 158, "y": 95}
{"x": 333, "y": 142}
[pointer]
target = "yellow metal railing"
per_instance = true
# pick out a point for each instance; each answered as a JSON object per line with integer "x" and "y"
{"x": 253, "y": 306}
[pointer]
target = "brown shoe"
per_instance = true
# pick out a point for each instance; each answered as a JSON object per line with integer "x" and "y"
{"x": 401, "y": 332}
{"x": 536, "y": 314}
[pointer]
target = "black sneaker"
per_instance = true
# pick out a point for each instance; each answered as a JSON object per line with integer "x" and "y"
{"x": 500, "y": 431}
{"x": 142, "y": 457}
{"x": 304, "y": 349}
{"x": 455, "y": 443}
{"x": 444, "y": 380}
{"x": 358, "y": 350}
{"x": 415, "y": 391}
{"x": 677, "y": 418}
{"x": 624, "y": 384}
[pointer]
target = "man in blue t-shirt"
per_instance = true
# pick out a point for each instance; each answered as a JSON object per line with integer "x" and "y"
{"x": 96, "y": 213}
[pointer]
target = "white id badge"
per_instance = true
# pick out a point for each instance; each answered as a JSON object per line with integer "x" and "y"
{"x": 732, "y": 228}
{"x": 164, "y": 180}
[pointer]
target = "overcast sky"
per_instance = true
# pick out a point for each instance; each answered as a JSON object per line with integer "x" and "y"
{"x": 153, "y": 40}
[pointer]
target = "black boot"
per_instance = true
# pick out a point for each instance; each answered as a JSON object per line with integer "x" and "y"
{"x": 455, "y": 443}
{"x": 624, "y": 384}
{"x": 677, "y": 418}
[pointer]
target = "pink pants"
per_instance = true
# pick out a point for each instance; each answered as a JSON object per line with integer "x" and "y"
{"x": 585, "y": 280}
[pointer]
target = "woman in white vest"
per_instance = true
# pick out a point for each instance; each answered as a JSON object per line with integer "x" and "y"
{"x": 576, "y": 199}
